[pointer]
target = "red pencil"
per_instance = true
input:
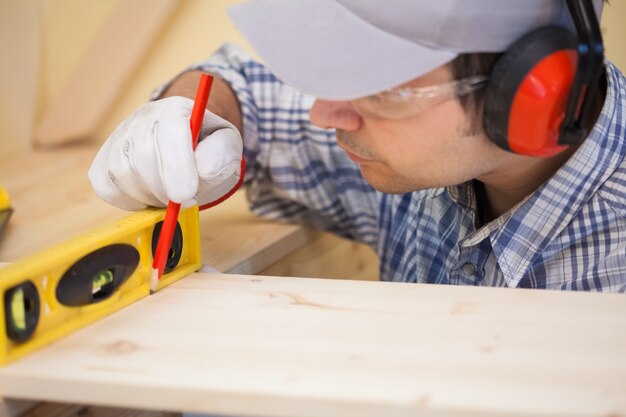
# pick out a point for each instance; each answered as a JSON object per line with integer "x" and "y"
{"x": 171, "y": 214}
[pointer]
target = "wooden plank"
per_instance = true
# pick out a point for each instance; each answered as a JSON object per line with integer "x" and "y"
{"x": 262, "y": 346}
{"x": 350, "y": 260}
{"x": 72, "y": 410}
{"x": 235, "y": 241}
{"x": 18, "y": 408}
{"x": 15, "y": 408}
{"x": 104, "y": 70}
{"x": 20, "y": 51}
{"x": 614, "y": 32}
{"x": 53, "y": 202}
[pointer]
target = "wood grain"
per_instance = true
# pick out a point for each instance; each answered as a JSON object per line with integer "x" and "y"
{"x": 267, "y": 346}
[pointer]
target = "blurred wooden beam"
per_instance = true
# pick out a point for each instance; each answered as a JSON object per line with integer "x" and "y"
{"x": 117, "y": 50}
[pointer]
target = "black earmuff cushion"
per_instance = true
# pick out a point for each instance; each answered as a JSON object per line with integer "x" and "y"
{"x": 510, "y": 71}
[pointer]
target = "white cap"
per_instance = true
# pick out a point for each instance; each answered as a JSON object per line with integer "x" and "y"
{"x": 344, "y": 49}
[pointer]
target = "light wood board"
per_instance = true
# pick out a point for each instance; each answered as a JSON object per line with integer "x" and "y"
{"x": 267, "y": 346}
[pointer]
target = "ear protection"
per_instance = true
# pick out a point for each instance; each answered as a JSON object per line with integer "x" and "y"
{"x": 539, "y": 95}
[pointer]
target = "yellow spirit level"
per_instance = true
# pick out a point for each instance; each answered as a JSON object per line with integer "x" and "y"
{"x": 59, "y": 290}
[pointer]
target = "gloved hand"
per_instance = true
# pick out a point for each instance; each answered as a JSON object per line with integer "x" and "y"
{"x": 149, "y": 159}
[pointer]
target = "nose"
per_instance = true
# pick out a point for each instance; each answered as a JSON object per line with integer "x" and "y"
{"x": 335, "y": 115}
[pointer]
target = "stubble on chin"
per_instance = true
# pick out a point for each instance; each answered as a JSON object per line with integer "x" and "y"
{"x": 375, "y": 174}
{"x": 352, "y": 144}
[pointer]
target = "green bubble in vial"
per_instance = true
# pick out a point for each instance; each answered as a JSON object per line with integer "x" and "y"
{"x": 18, "y": 310}
{"x": 101, "y": 279}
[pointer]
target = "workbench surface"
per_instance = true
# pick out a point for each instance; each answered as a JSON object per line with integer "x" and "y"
{"x": 273, "y": 346}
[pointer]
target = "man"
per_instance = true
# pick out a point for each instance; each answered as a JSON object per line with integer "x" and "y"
{"x": 394, "y": 153}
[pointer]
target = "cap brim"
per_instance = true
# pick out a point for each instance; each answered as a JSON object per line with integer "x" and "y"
{"x": 321, "y": 48}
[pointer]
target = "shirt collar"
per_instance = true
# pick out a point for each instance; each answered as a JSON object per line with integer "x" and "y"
{"x": 546, "y": 212}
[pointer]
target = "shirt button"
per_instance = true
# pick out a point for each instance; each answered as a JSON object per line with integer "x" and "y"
{"x": 469, "y": 269}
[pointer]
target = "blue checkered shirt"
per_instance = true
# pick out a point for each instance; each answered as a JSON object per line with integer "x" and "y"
{"x": 569, "y": 234}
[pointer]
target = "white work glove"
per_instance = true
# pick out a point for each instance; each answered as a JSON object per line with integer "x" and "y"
{"x": 149, "y": 159}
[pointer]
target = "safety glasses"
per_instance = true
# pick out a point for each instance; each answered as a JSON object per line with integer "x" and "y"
{"x": 404, "y": 102}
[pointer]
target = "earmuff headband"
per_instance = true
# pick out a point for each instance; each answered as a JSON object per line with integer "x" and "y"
{"x": 590, "y": 65}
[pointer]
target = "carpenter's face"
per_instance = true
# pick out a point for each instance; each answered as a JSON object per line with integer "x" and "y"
{"x": 434, "y": 147}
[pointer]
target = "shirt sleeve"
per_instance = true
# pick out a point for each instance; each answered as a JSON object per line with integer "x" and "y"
{"x": 294, "y": 170}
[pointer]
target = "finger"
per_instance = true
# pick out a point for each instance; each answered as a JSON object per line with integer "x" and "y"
{"x": 135, "y": 167}
{"x": 218, "y": 159}
{"x": 218, "y": 153}
{"x": 105, "y": 184}
{"x": 211, "y": 123}
{"x": 189, "y": 203}
{"x": 175, "y": 159}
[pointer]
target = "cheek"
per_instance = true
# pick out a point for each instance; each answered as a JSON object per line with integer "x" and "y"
{"x": 434, "y": 148}
{"x": 436, "y": 135}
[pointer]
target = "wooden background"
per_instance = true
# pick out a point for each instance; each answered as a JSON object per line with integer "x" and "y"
{"x": 42, "y": 41}
{"x": 260, "y": 346}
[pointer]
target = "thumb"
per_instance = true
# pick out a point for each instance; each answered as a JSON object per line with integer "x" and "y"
{"x": 218, "y": 158}
{"x": 219, "y": 153}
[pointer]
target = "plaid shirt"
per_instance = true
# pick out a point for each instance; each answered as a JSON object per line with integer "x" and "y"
{"x": 569, "y": 234}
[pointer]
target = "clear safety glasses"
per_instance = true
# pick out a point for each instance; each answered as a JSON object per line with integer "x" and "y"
{"x": 404, "y": 102}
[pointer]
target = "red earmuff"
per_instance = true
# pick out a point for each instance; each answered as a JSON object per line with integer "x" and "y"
{"x": 528, "y": 92}
{"x": 538, "y": 108}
